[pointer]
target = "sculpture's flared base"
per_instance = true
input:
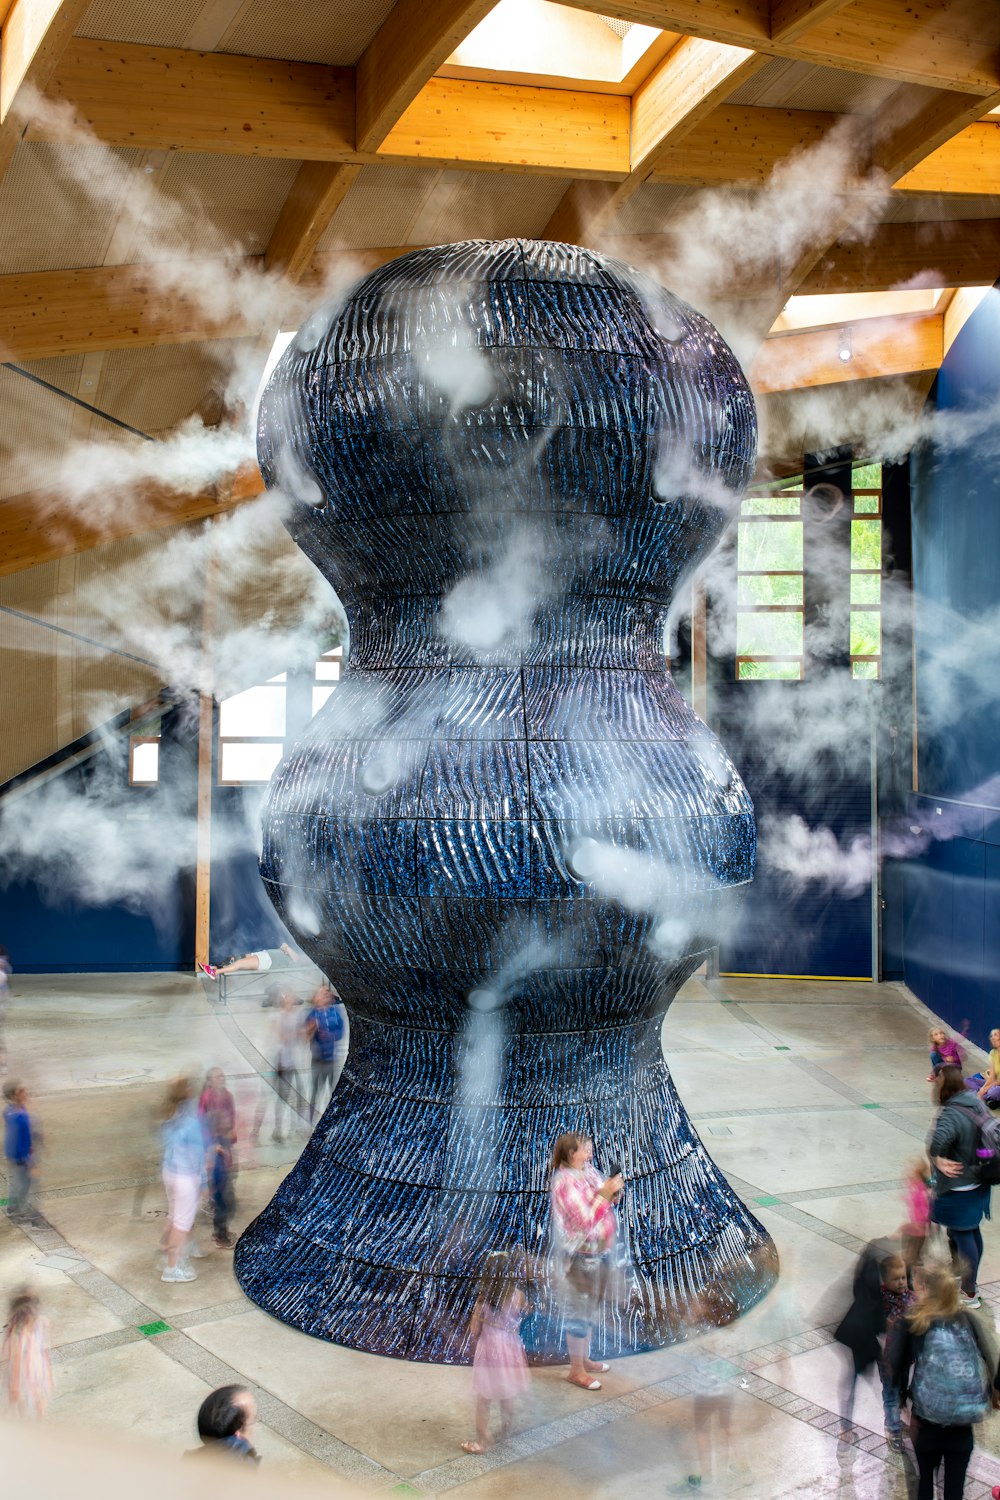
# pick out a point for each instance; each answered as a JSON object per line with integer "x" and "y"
{"x": 420, "y": 1168}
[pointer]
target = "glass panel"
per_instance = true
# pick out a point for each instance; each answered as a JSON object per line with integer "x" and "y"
{"x": 258, "y": 711}
{"x": 771, "y": 546}
{"x": 867, "y": 504}
{"x": 772, "y": 505}
{"x": 767, "y": 588}
{"x": 772, "y": 671}
{"x": 328, "y": 671}
{"x": 866, "y": 544}
{"x": 866, "y": 588}
{"x": 867, "y": 476}
{"x": 320, "y": 695}
{"x": 242, "y": 762}
{"x": 145, "y": 762}
{"x": 864, "y": 669}
{"x": 769, "y": 635}
{"x": 866, "y": 632}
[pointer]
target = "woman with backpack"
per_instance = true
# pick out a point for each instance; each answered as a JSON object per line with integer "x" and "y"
{"x": 938, "y": 1361}
{"x": 961, "y": 1195}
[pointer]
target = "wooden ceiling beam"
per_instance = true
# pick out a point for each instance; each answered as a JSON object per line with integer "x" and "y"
{"x": 44, "y": 314}
{"x": 413, "y": 42}
{"x": 790, "y": 18}
{"x": 458, "y": 122}
{"x": 685, "y": 88}
{"x": 399, "y": 62}
{"x": 164, "y": 98}
{"x": 39, "y": 527}
{"x": 925, "y": 42}
{"x": 741, "y": 143}
{"x": 318, "y": 191}
{"x": 34, "y": 36}
{"x": 968, "y": 163}
{"x": 880, "y": 347}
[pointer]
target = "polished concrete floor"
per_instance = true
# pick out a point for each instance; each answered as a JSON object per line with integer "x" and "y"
{"x": 811, "y": 1096}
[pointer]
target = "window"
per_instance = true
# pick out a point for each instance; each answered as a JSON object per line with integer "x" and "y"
{"x": 144, "y": 760}
{"x": 255, "y": 725}
{"x": 769, "y": 585}
{"x": 252, "y": 732}
{"x": 866, "y": 571}
{"x": 325, "y": 677}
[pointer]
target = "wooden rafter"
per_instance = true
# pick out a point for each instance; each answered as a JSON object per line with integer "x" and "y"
{"x": 790, "y": 18}
{"x": 44, "y": 314}
{"x": 690, "y": 82}
{"x": 879, "y": 347}
{"x": 398, "y": 63}
{"x": 27, "y": 538}
{"x": 935, "y": 43}
{"x": 34, "y": 37}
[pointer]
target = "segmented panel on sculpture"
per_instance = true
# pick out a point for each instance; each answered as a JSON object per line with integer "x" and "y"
{"x": 504, "y": 456}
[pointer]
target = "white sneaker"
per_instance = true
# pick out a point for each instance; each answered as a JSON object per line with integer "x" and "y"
{"x": 970, "y": 1302}
{"x": 179, "y": 1273}
{"x": 193, "y": 1251}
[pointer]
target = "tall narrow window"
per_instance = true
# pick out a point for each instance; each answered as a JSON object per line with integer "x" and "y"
{"x": 769, "y": 585}
{"x": 866, "y": 571}
{"x": 251, "y": 732}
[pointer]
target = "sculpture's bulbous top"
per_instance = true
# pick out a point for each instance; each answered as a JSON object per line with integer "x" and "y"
{"x": 494, "y": 384}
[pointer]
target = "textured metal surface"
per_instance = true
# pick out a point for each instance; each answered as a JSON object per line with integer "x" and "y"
{"x": 533, "y": 432}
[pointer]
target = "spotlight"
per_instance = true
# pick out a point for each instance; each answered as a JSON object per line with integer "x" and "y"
{"x": 845, "y": 346}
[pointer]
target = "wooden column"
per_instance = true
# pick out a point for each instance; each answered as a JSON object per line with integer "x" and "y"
{"x": 206, "y": 737}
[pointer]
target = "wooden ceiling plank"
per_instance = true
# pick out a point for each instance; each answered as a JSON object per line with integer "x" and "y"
{"x": 790, "y": 18}
{"x": 926, "y": 43}
{"x": 413, "y": 42}
{"x": 316, "y": 194}
{"x": 168, "y": 98}
{"x": 688, "y": 85}
{"x": 880, "y": 347}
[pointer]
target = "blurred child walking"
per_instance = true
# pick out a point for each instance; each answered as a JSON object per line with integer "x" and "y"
{"x": 500, "y": 1365}
{"x": 27, "y": 1366}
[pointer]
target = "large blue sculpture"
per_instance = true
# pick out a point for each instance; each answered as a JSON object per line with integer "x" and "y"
{"x": 506, "y": 836}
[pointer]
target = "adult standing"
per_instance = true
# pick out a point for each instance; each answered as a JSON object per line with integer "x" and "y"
{"x": 584, "y": 1229}
{"x": 939, "y": 1362}
{"x": 183, "y": 1174}
{"x": 324, "y": 1027}
{"x": 960, "y": 1199}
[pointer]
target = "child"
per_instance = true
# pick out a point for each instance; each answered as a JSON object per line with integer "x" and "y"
{"x": 896, "y": 1298}
{"x": 945, "y": 1053}
{"x": 25, "y": 1354}
{"x": 18, "y": 1147}
{"x": 990, "y": 1091}
{"x": 500, "y": 1365}
{"x": 917, "y": 1197}
{"x": 217, "y": 1110}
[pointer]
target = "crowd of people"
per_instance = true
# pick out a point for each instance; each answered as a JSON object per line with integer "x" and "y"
{"x": 914, "y": 1314}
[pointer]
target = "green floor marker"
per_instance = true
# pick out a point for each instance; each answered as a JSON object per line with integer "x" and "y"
{"x": 404, "y": 1489}
{"x": 149, "y": 1330}
{"x": 766, "y": 1201}
{"x": 782, "y": 1049}
{"x": 871, "y": 1106}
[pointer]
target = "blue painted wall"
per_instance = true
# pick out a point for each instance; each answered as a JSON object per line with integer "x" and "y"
{"x": 950, "y": 935}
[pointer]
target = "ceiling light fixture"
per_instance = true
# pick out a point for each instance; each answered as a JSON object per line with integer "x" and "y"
{"x": 845, "y": 345}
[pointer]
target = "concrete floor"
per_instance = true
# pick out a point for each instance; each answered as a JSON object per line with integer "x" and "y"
{"x": 811, "y": 1097}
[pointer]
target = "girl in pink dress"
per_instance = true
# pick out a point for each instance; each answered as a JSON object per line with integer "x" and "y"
{"x": 27, "y": 1367}
{"x": 500, "y": 1366}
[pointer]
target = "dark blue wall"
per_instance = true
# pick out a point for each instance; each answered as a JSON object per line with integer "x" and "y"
{"x": 950, "y": 887}
{"x": 47, "y": 931}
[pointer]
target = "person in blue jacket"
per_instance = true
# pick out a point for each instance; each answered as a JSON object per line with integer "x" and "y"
{"x": 18, "y": 1147}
